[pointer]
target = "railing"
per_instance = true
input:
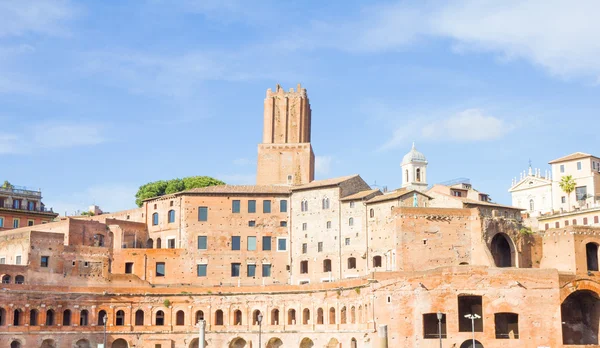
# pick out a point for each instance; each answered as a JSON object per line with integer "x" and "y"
{"x": 20, "y": 190}
{"x": 507, "y": 335}
{"x": 37, "y": 209}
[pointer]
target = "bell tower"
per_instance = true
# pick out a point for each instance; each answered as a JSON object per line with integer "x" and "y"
{"x": 285, "y": 156}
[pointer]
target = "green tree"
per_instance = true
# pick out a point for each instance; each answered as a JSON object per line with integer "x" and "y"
{"x": 162, "y": 187}
{"x": 567, "y": 184}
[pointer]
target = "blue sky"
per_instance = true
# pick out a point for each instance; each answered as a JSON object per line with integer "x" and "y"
{"x": 99, "y": 97}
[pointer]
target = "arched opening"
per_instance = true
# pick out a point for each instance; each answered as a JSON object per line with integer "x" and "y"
{"x": 320, "y": 316}
{"x": 274, "y": 343}
{"x": 418, "y": 175}
{"x": 237, "y": 317}
{"x": 48, "y": 343}
{"x": 291, "y": 317}
{"x": 160, "y": 318}
{"x": 352, "y": 315}
{"x": 6, "y": 279}
{"x": 199, "y": 316}
{"x": 19, "y": 279}
{"x": 158, "y": 243}
{"x": 98, "y": 240}
{"x": 333, "y": 343}
{"x": 83, "y": 343}
{"x": 327, "y": 265}
{"x": 469, "y": 344}
{"x": 180, "y": 318}
{"x": 406, "y": 176}
{"x": 331, "y": 315}
{"x": 139, "y": 317}
{"x": 255, "y": 315}
{"x": 351, "y": 221}
{"x": 49, "y": 317}
{"x": 306, "y": 343}
{"x": 219, "y": 317}
{"x": 33, "y": 317}
{"x": 15, "y": 344}
{"x": 83, "y": 318}
{"x": 101, "y": 316}
{"x": 531, "y": 205}
{"x": 275, "y": 317}
{"x": 305, "y": 316}
{"x": 377, "y": 261}
{"x": 67, "y": 317}
{"x": 120, "y": 343}
{"x": 372, "y": 213}
{"x": 343, "y": 315}
{"x": 194, "y": 343}
{"x": 238, "y": 343}
{"x": 150, "y": 243}
{"x": 2, "y": 317}
{"x": 360, "y": 314}
{"x": 352, "y": 263}
{"x": 591, "y": 252}
{"x": 501, "y": 251}
{"x": 580, "y": 317}
{"x": 353, "y": 343}
{"x": 120, "y": 318}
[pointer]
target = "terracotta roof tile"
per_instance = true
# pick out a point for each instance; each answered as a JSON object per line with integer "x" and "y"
{"x": 395, "y": 195}
{"x": 240, "y": 189}
{"x": 360, "y": 195}
{"x": 323, "y": 183}
{"x": 573, "y": 156}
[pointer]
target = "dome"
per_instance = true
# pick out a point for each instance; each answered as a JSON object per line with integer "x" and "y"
{"x": 414, "y": 156}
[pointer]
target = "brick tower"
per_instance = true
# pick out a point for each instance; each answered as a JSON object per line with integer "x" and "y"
{"x": 285, "y": 156}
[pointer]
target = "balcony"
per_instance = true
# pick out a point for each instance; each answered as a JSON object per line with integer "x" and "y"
{"x": 13, "y": 190}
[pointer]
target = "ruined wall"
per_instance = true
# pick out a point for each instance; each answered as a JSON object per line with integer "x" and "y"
{"x": 13, "y": 245}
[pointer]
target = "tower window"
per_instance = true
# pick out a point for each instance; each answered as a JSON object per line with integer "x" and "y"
{"x": 418, "y": 175}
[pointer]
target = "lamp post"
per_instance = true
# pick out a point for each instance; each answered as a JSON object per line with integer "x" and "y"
{"x": 260, "y": 317}
{"x": 473, "y": 317}
{"x": 104, "y": 320}
{"x": 439, "y": 317}
{"x": 201, "y": 328}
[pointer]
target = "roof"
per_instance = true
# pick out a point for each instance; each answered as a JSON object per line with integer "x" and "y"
{"x": 571, "y": 157}
{"x": 414, "y": 156}
{"x": 488, "y": 204}
{"x": 360, "y": 195}
{"x": 258, "y": 189}
{"x": 324, "y": 183}
{"x": 395, "y": 195}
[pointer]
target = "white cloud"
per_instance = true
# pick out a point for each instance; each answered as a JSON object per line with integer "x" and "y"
{"x": 35, "y": 16}
{"x": 109, "y": 197}
{"x": 323, "y": 164}
{"x": 46, "y": 136}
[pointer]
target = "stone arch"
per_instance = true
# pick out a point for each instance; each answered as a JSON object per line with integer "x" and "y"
{"x": 580, "y": 315}
{"x": 180, "y": 318}
{"x": 306, "y": 343}
{"x": 101, "y": 316}
{"x": 219, "y": 317}
{"x": 48, "y": 343}
{"x": 19, "y": 279}
{"x": 6, "y": 278}
{"x": 503, "y": 250}
{"x": 83, "y": 343}
{"x": 353, "y": 315}
{"x": 469, "y": 344}
{"x": 158, "y": 243}
{"x": 17, "y": 317}
{"x": 255, "y": 315}
{"x": 238, "y": 342}
{"x": 291, "y": 316}
{"x": 15, "y": 344}
{"x": 83, "y": 317}
{"x": 305, "y": 316}
{"x": 199, "y": 316}
{"x": 159, "y": 318}
{"x": 591, "y": 253}
{"x": 150, "y": 243}
{"x": 275, "y": 316}
{"x": 120, "y": 343}
{"x": 343, "y": 315}
{"x": 34, "y": 316}
{"x": 139, "y": 317}
{"x": 50, "y": 317}
{"x": 275, "y": 342}
{"x": 320, "y": 317}
{"x": 194, "y": 343}
{"x": 66, "y": 317}
{"x": 237, "y": 317}
{"x": 332, "y": 315}
{"x": 333, "y": 343}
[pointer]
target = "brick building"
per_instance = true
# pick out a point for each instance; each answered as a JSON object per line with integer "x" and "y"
{"x": 20, "y": 207}
{"x": 327, "y": 263}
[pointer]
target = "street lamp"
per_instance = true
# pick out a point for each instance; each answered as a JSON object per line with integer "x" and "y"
{"x": 473, "y": 317}
{"x": 259, "y": 318}
{"x": 201, "y": 327}
{"x": 104, "y": 320}
{"x": 439, "y": 317}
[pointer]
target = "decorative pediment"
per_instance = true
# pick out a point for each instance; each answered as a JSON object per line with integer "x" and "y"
{"x": 530, "y": 181}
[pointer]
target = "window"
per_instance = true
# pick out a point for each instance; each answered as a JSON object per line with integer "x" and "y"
{"x": 202, "y": 213}
{"x": 305, "y": 316}
{"x": 120, "y": 318}
{"x": 327, "y": 265}
{"x": 251, "y": 223}
{"x": 6, "y": 279}
{"x": 371, "y": 213}
{"x": 251, "y": 243}
{"x": 30, "y": 222}
{"x": 320, "y": 247}
{"x": 202, "y": 243}
{"x": 201, "y": 270}
{"x": 19, "y": 279}
{"x": 331, "y": 315}
{"x": 101, "y": 316}
{"x": 180, "y": 318}
{"x": 16, "y": 204}
{"x": 591, "y": 252}
{"x": 30, "y": 205}
{"x": 562, "y": 168}
{"x": 351, "y": 222}
{"x": 236, "y": 243}
{"x": 304, "y": 205}
{"x": 531, "y": 205}
{"x": 320, "y": 316}
{"x": 266, "y": 206}
{"x": 546, "y": 226}
{"x": 289, "y": 179}
{"x": 160, "y": 269}
{"x": 1, "y": 222}
{"x": 351, "y": 204}
{"x": 235, "y": 206}
{"x": 377, "y": 261}
{"x": 303, "y": 267}
{"x": 304, "y": 226}
{"x": 235, "y": 269}
{"x": 16, "y": 223}
{"x": 45, "y": 260}
{"x": 18, "y": 260}
{"x": 304, "y": 248}
{"x": 328, "y": 224}
{"x": 556, "y": 224}
{"x": 581, "y": 193}
{"x": 171, "y": 216}
{"x": 578, "y": 165}
{"x": 281, "y": 244}
{"x": 563, "y": 199}
{"x": 351, "y": 263}
{"x": 49, "y": 317}
{"x": 199, "y": 316}
{"x": 347, "y": 241}
{"x": 283, "y": 206}
{"x": 160, "y": 318}
{"x": 171, "y": 243}
{"x": 266, "y": 270}
{"x": 128, "y": 267}
{"x": 595, "y": 219}
{"x": 325, "y": 203}
{"x": 252, "y": 206}
{"x": 566, "y": 222}
{"x": 154, "y": 219}
{"x": 251, "y": 270}
{"x": 469, "y": 305}
{"x": 431, "y": 326}
{"x": 2, "y": 260}
{"x": 237, "y": 317}
{"x": 507, "y": 325}
{"x": 418, "y": 175}
{"x": 266, "y": 243}
{"x": 83, "y": 318}
{"x": 219, "y": 317}
{"x": 585, "y": 221}
{"x": 282, "y": 223}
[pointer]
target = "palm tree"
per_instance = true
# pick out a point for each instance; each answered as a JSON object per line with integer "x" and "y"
{"x": 567, "y": 184}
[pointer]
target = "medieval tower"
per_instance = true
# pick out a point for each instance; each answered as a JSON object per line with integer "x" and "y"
{"x": 285, "y": 156}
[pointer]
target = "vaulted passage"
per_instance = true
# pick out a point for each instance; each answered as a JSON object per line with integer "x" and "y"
{"x": 469, "y": 344}
{"x": 238, "y": 343}
{"x": 500, "y": 248}
{"x": 580, "y": 314}
{"x": 120, "y": 343}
